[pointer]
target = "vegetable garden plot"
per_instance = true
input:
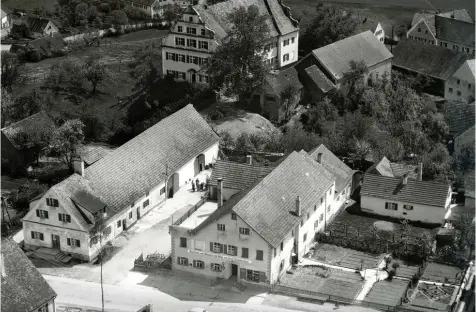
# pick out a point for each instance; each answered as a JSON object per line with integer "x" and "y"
{"x": 335, "y": 255}
{"x": 388, "y": 293}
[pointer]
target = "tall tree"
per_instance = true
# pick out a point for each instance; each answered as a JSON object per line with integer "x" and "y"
{"x": 13, "y": 71}
{"x": 118, "y": 18}
{"x": 331, "y": 24}
{"x": 96, "y": 72}
{"x": 67, "y": 141}
{"x": 237, "y": 66}
{"x": 147, "y": 65}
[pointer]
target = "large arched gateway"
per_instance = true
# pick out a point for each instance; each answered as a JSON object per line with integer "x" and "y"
{"x": 199, "y": 164}
{"x": 173, "y": 185}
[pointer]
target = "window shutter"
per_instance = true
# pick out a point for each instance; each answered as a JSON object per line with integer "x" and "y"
{"x": 236, "y": 251}
{"x": 46, "y": 214}
{"x": 211, "y": 266}
{"x": 242, "y": 273}
{"x": 262, "y": 277}
{"x": 78, "y": 242}
{"x": 225, "y": 248}
{"x": 68, "y": 218}
{"x": 41, "y": 236}
{"x": 38, "y": 213}
{"x": 68, "y": 241}
{"x": 386, "y": 205}
{"x": 221, "y": 248}
{"x": 59, "y": 216}
{"x": 211, "y": 246}
{"x": 32, "y": 235}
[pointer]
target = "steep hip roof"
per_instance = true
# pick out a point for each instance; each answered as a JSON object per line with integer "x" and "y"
{"x": 23, "y": 287}
{"x": 279, "y": 19}
{"x": 342, "y": 173}
{"x": 132, "y": 169}
{"x": 453, "y": 30}
{"x": 420, "y": 192}
{"x": 268, "y": 208}
{"x": 29, "y": 125}
{"x": 282, "y": 79}
{"x": 364, "y": 47}
{"x": 415, "y": 56}
{"x": 238, "y": 175}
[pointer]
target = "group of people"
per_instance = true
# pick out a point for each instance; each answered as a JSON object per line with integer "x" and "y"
{"x": 198, "y": 186}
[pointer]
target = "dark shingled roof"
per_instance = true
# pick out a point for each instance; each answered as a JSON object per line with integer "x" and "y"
{"x": 29, "y": 125}
{"x": 342, "y": 173}
{"x": 269, "y": 206}
{"x": 94, "y": 152}
{"x": 216, "y": 16}
{"x": 413, "y": 56}
{"x": 37, "y": 24}
{"x": 386, "y": 168}
{"x": 390, "y": 188}
{"x": 453, "y": 30}
{"x": 364, "y": 47}
{"x": 282, "y": 79}
{"x": 460, "y": 15}
{"x": 459, "y": 116}
{"x": 237, "y": 175}
{"x": 469, "y": 184}
{"x": 23, "y": 287}
{"x": 132, "y": 169}
{"x": 318, "y": 77}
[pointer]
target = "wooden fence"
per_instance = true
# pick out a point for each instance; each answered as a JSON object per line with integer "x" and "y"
{"x": 154, "y": 260}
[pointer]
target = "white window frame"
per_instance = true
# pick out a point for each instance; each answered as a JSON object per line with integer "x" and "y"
{"x": 221, "y": 227}
{"x": 408, "y": 207}
{"x": 198, "y": 264}
{"x": 244, "y": 231}
{"x": 180, "y": 29}
{"x": 179, "y": 41}
{"x": 191, "y": 30}
{"x": 37, "y": 235}
{"x": 43, "y": 213}
{"x": 231, "y": 250}
{"x": 63, "y": 217}
{"x": 286, "y": 57}
{"x": 392, "y": 206}
{"x": 217, "y": 247}
{"x": 182, "y": 261}
{"x": 215, "y": 267}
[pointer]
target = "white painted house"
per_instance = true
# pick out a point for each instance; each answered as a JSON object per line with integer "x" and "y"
{"x": 403, "y": 198}
{"x": 460, "y": 86}
{"x": 124, "y": 185}
{"x": 267, "y": 222}
{"x": 201, "y": 29}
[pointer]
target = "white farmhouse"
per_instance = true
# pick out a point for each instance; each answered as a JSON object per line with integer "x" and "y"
{"x": 125, "y": 184}
{"x": 403, "y": 198}
{"x": 193, "y": 39}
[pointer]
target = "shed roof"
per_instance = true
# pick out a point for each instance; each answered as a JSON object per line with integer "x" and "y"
{"x": 23, "y": 287}
{"x": 238, "y": 175}
{"x": 420, "y": 192}
{"x": 413, "y": 56}
{"x": 30, "y": 125}
{"x": 365, "y": 47}
{"x": 319, "y": 78}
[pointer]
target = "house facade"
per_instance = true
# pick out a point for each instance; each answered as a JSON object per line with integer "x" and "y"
{"x": 279, "y": 96}
{"x": 460, "y": 87}
{"x": 325, "y": 69}
{"x": 260, "y": 231}
{"x": 40, "y": 27}
{"x": 23, "y": 288}
{"x": 201, "y": 29}
{"x": 452, "y": 30}
{"x": 403, "y": 198}
{"x": 384, "y": 31}
{"x": 171, "y": 154}
{"x": 6, "y": 15}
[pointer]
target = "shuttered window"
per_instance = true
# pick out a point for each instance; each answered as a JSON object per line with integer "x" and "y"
{"x": 64, "y": 217}
{"x": 42, "y": 213}
{"x": 37, "y": 235}
{"x": 244, "y": 253}
{"x": 73, "y": 242}
{"x": 259, "y": 255}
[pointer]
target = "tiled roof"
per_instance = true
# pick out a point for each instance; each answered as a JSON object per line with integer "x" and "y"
{"x": 420, "y": 192}
{"x": 29, "y": 125}
{"x": 459, "y": 116}
{"x": 269, "y": 206}
{"x": 386, "y": 168}
{"x": 132, "y": 169}
{"x": 413, "y": 56}
{"x": 282, "y": 79}
{"x": 237, "y": 175}
{"x": 460, "y": 15}
{"x": 23, "y": 287}
{"x": 342, "y": 173}
{"x": 37, "y": 24}
{"x": 318, "y": 77}
{"x": 216, "y": 16}
{"x": 469, "y": 184}
{"x": 429, "y": 19}
{"x": 453, "y": 30}
{"x": 364, "y": 47}
{"x": 94, "y": 152}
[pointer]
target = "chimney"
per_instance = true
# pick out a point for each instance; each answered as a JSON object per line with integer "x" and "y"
{"x": 298, "y": 206}
{"x": 405, "y": 179}
{"x": 220, "y": 192}
{"x": 420, "y": 171}
{"x": 319, "y": 158}
{"x": 249, "y": 159}
{"x": 78, "y": 166}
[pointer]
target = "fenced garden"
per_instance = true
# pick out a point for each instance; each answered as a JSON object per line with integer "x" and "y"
{"x": 153, "y": 261}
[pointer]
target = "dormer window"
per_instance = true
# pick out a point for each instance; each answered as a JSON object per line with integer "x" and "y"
{"x": 52, "y": 202}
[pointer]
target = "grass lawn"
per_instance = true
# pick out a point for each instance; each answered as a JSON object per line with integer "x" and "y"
{"x": 406, "y": 269}
{"x": 329, "y": 281}
{"x": 442, "y": 273}
{"x": 339, "y": 256}
{"x": 387, "y": 292}
{"x": 117, "y": 52}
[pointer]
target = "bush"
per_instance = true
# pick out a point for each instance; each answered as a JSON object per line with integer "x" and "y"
{"x": 216, "y": 114}
{"x": 29, "y": 190}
